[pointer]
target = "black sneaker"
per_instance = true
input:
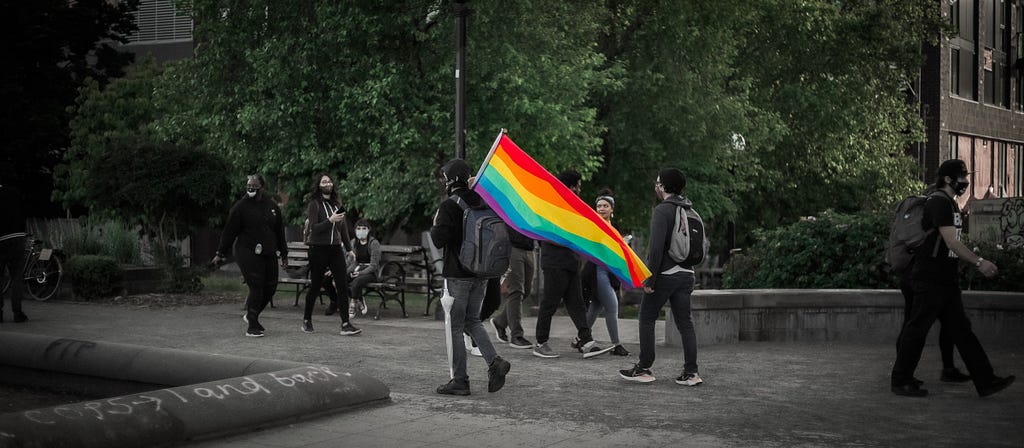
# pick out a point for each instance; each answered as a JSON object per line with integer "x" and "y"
{"x": 953, "y": 375}
{"x": 520, "y": 342}
{"x": 307, "y": 326}
{"x": 619, "y": 350}
{"x": 331, "y": 309}
{"x": 454, "y": 387}
{"x": 910, "y": 389}
{"x": 997, "y": 384}
{"x": 575, "y": 344}
{"x": 689, "y": 379}
{"x": 637, "y": 374}
{"x": 496, "y": 374}
{"x": 500, "y": 333}
{"x": 347, "y": 329}
{"x": 591, "y": 349}
{"x": 254, "y": 333}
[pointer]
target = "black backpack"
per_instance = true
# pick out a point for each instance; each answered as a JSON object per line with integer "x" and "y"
{"x": 486, "y": 247}
{"x": 907, "y": 233}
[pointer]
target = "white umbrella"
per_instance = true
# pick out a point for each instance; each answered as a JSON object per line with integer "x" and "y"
{"x": 446, "y": 302}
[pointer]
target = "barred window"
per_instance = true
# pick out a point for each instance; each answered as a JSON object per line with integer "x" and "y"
{"x": 158, "y": 20}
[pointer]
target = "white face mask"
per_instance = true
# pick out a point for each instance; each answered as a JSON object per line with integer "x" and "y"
{"x": 251, "y": 194}
{"x": 362, "y": 233}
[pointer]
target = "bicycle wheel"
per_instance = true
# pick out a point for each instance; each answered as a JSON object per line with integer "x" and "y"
{"x": 42, "y": 278}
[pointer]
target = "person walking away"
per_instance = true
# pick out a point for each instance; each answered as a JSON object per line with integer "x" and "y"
{"x": 937, "y": 294}
{"x": 255, "y": 228}
{"x": 507, "y": 325}
{"x": 468, "y": 290}
{"x": 670, "y": 282}
{"x": 561, "y": 268}
{"x": 12, "y": 247}
{"x": 327, "y": 235}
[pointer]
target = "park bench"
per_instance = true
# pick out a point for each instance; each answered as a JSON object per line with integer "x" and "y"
{"x": 402, "y": 269}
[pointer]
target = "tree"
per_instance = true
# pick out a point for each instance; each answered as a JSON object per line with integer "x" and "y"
{"x": 364, "y": 90}
{"x": 54, "y": 46}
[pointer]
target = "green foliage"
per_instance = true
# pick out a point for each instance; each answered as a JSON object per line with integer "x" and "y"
{"x": 94, "y": 276}
{"x": 113, "y": 239}
{"x": 833, "y": 250}
{"x": 1009, "y": 260}
{"x": 178, "y": 277}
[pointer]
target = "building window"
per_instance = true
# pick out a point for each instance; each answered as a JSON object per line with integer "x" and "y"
{"x": 1019, "y": 41}
{"x": 954, "y": 150}
{"x": 159, "y": 21}
{"x": 994, "y": 56}
{"x": 963, "y": 49}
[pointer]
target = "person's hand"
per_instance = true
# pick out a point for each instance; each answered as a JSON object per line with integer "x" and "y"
{"x": 355, "y": 274}
{"x": 337, "y": 217}
{"x": 988, "y": 269}
{"x": 648, "y": 289}
{"x": 216, "y": 260}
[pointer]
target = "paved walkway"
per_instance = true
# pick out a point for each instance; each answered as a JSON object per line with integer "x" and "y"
{"x": 756, "y": 394}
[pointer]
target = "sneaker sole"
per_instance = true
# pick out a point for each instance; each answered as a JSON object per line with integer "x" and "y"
{"x": 638, "y": 379}
{"x": 519, "y": 346}
{"x": 253, "y": 335}
{"x": 541, "y": 355}
{"x": 589, "y": 355}
{"x": 351, "y": 333}
{"x": 687, "y": 383}
{"x": 497, "y": 334}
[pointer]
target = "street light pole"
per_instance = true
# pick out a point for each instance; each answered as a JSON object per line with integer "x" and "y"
{"x": 461, "y": 16}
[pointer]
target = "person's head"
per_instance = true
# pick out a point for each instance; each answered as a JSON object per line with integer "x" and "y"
{"x": 323, "y": 186}
{"x": 605, "y": 204}
{"x": 456, "y": 175}
{"x": 953, "y": 173}
{"x": 670, "y": 181}
{"x": 572, "y": 179}
{"x": 362, "y": 229}
{"x": 254, "y": 184}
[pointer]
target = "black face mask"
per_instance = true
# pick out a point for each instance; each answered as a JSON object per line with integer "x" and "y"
{"x": 326, "y": 190}
{"x": 960, "y": 187}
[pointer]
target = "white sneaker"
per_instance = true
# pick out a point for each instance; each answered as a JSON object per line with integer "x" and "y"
{"x": 362, "y": 307}
{"x": 689, "y": 379}
{"x": 473, "y": 350}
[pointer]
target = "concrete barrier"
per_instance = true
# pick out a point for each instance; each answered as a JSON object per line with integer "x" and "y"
{"x": 834, "y": 315}
{"x": 175, "y": 396}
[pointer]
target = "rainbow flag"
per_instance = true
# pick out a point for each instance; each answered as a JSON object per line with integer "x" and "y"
{"x": 538, "y": 205}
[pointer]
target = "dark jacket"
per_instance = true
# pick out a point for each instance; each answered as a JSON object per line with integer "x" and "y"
{"x": 447, "y": 231}
{"x": 252, "y": 222}
{"x": 323, "y": 232}
{"x": 662, "y": 220}
{"x": 554, "y": 256}
{"x": 12, "y": 218}
{"x": 519, "y": 240}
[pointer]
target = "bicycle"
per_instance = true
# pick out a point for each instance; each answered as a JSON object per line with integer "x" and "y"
{"x": 43, "y": 271}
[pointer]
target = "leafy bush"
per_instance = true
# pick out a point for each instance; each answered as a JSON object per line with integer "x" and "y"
{"x": 113, "y": 239}
{"x": 94, "y": 276}
{"x": 1009, "y": 260}
{"x": 829, "y": 251}
{"x": 178, "y": 277}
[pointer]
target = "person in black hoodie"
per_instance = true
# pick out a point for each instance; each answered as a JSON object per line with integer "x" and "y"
{"x": 669, "y": 282}
{"x": 561, "y": 268}
{"x": 12, "y": 247}
{"x": 256, "y": 223}
{"x": 328, "y": 233}
{"x": 466, "y": 288}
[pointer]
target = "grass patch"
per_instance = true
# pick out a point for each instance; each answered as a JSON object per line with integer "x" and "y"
{"x": 223, "y": 284}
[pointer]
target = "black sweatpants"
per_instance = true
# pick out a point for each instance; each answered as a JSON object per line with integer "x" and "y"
{"x": 260, "y": 274}
{"x": 559, "y": 285}
{"x": 945, "y": 338}
{"x": 322, "y": 258}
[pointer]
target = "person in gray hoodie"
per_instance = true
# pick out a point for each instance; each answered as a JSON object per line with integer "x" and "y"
{"x": 669, "y": 282}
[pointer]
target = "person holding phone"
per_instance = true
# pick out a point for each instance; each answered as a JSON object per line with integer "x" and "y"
{"x": 328, "y": 234}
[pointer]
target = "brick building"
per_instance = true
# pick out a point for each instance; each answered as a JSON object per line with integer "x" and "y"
{"x": 972, "y": 95}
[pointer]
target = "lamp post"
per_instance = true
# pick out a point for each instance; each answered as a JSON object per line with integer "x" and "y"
{"x": 461, "y": 16}
{"x": 738, "y": 144}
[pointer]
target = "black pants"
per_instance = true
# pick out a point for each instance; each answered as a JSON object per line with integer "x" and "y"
{"x": 359, "y": 283}
{"x": 12, "y": 256}
{"x": 943, "y": 302}
{"x": 559, "y": 285}
{"x": 260, "y": 274}
{"x": 945, "y": 338}
{"x": 322, "y": 258}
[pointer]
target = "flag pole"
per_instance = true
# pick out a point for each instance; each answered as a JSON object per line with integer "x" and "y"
{"x": 489, "y": 155}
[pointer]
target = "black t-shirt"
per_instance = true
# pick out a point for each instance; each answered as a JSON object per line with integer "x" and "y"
{"x": 939, "y": 211}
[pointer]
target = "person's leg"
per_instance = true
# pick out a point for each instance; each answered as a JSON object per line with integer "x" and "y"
{"x": 574, "y": 305}
{"x": 270, "y": 277}
{"x": 318, "y": 261}
{"x": 650, "y": 306}
{"x": 473, "y": 323}
{"x": 954, "y": 319}
{"x": 336, "y": 261}
{"x": 681, "y": 285}
{"x": 253, "y": 272}
{"x": 460, "y": 289}
{"x": 610, "y": 302}
{"x": 928, "y": 303}
{"x": 13, "y": 255}
{"x": 907, "y": 289}
{"x": 511, "y": 317}
{"x": 556, "y": 283}
{"x": 358, "y": 284}
{"x": 946, "y": 348}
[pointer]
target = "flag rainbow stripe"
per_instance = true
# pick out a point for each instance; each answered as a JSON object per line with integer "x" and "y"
{"x": 529, "y": 199}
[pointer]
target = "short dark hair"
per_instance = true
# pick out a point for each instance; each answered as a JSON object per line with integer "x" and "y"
{"x": 570, "y": 177}
{"x": 672, "y": 180}
{"x": 363, "y": 223}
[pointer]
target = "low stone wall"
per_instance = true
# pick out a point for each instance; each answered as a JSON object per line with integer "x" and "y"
{"x": 835, "y": 315}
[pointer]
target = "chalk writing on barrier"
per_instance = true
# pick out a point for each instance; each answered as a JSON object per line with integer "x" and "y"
{"x": 151, "y": 401}
{"x": 67, "y": 347}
